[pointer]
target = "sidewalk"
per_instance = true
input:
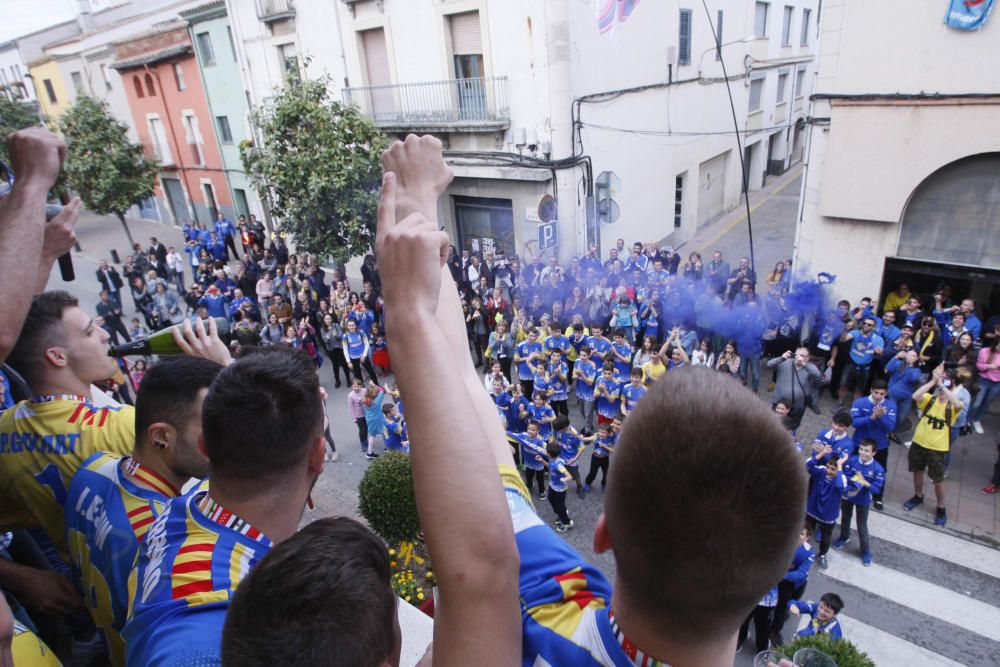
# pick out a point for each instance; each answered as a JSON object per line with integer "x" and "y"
{"x": 99, "y": 234}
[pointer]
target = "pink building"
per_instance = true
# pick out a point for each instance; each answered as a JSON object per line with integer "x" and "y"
{"x": 171, "y": 115}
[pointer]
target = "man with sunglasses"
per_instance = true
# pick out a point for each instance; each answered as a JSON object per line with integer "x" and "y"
{"x": 865, "y": 346}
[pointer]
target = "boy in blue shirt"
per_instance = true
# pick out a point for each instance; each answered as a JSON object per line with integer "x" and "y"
{"x": 540, "y": 411}
{"x": 621, "y": 354}
{"x": 836, "y": 437}
{"x": 572, "y": 446}
{"x": 541, "y": 383}
{"x": 606, "y": 394}
{"x": 557, "y": 341}
{"x": 865, "y": 478}
{"x": 534, "y": 455}
{"x": 865, "y": 345}
{"x": 584, "y": 379}
{"x": 599, "y": 345}
{"x": 632, "y": 392}
{"x": 824, "y": 615}
{"x": 823, "y": 506}
{"x": 524, "y": 354}
{"x": 559, "y": 382}
{"x": 395, "y": 435}
{"x": 793, "y": 585}
{"x": 559, "y": 477}
{"x": 600, "y": 458}
{"x": 874, "y": 416}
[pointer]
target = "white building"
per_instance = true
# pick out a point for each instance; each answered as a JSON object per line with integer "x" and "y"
{"x": 15, "y": 84}
{"x": 903, "y": 166}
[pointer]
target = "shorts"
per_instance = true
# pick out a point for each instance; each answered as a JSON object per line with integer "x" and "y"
{"x": 921, "y": 458}
{"x": 855, "y": 377}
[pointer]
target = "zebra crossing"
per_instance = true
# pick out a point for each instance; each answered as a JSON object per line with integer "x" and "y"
{"x": 928, "y": 599}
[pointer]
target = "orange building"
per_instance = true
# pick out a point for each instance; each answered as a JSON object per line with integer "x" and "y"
{"x": 171, "y": 115}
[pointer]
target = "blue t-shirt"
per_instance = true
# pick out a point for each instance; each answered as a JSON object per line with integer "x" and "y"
{"x": 542, "y": 384}
{"x": 530, "y": 448}
{"x": 624, "y": 349}
{"x": 603, "y": 446}
{"x": 815, "y": 627}
{"x": 632, "y": 394}
{"x": 560, "y": 343}
{"x": 871, "y": 472}
{"x": 395, "y": 434}
{"x": 187, "y": 570}
{"x": 600, "y": 347}
{"x": 560, "y": 388}
{"x": 355, "y": 344}
{"x": 867, "y": 426}
{"x": 607, "y": 406}
{"x": 570, "y": 443}
{"x": 824, "y": 494}
{"x": 523, "y": 351}
{"x": 557, "y": 468}
{"x": 540, "y": 413}
{"x": 863, "y": 347}
{"x": 583, "y": 390}
{"x": 842, "y": 445}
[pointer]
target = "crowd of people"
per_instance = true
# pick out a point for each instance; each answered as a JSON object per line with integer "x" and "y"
{"x": 158, "y": 512}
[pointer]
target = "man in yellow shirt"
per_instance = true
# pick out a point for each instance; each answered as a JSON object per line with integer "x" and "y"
{"x": 896, "y": 300}
{"x": 931, "y": 441}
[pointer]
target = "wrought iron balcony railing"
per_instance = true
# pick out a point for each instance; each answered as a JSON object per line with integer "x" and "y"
{"x": 471, "y": 104}
{"x": 274, "y": 10}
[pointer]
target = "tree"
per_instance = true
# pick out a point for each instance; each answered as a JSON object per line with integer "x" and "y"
{"x": 14, "y": 116}
{"x": 318, "y": 163}
{"x": 109, "y": 172}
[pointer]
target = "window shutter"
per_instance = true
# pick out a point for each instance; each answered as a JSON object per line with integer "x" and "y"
{"x": 466, "y": 38}
{"x": 684, "y": 40}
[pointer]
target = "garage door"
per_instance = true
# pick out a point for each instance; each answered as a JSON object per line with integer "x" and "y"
{"x": 711, "y": 187}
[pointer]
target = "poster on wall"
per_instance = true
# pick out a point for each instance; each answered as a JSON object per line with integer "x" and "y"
{"x": 968, "y": 14}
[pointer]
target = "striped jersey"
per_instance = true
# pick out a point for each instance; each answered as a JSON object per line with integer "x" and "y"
{"x": 43, "y": 442}
{"x": 194, "y": 555}
{"x": 107, "y": 516}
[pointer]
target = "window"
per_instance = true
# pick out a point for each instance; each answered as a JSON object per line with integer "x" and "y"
{"x": 288, "y": 56}
{"x": 210, "y": 203}
{"x": 800, "y": 77}
{"x": 684, "y": 38}
{"x": 782, "y": 86}
{"x": 104, "y": 75}
{"x": 179, "y": 77}
{"x": 150, "y": 88}
{"x": 158, "y": 138}
{"x": 193, "y": 136}
{"x": 77, "y": 81}
{"x": 467, "y": 55}
{"x": 232, "y": 44}
{"x": 805, "y": 27}
{"x": 760, "y": 19}
{"x": 50, "y": 91}
{"x": 786, "y": 27}
{"x": 137, "y": 84}
{"x": 718, "y": 35}
{"x": 756, "y": 92}
{"x": 225, "y": 133}
{"x": 241, "y": 202}
{"x": 678, "y": 199}
{"x": 205, "y": 49}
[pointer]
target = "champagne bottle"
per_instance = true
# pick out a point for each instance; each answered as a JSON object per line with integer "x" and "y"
{"x": 162, "y": 342}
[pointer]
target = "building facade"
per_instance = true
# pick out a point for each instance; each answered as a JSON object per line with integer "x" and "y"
{"x": 903, "y": 168}
{"x": 15, "y": 84}
{"x": 169, "y": 108}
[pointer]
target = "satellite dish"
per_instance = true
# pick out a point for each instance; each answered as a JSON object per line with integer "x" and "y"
{"x": 547, "y": 208}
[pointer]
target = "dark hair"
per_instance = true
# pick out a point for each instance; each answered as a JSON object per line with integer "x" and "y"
{"x": 168, "y": 391}
{"x": 561, "y": 422}
{"x": 635, "y": 372}
{"x": 553, "y": 449}
{"x": 786, "y": 402}
{"x": 321, "y": 597}
{"x": 868, "y": 442}
{"x": 534, "y": 422}
{"x": 263, "y": 399}
{"x": 833, "y": 601}
{"x": 879, "y": 383}
{"x": 842, "y": 418}
{"x": 749, "y": 520}
{"x": 40, "y": 331}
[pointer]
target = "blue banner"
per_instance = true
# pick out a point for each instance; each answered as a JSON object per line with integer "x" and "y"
{"x": 968, "y": 14}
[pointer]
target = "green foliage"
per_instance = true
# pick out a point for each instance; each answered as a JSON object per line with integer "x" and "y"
{"x": 319, "y": 165}
{"x": 386, "y": 499}
{"x": 14, "y": 116}
{"x": 110, "y": 173}
{"x": 843, "y": 652}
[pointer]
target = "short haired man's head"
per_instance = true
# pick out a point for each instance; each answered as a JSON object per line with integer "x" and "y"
{"x": 266, "y": 398}
{"x": 678, "y": 442}
{"x": 168, "y": 412}
{"x": 321, "y": 597}
{"x": 58, "y": 338}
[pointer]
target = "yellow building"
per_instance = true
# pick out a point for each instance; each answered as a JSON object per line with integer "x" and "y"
{"x": 52, "y": 93}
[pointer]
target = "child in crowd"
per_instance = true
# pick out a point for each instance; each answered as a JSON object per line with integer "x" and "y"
{"x": 836, "y": 437}
{"x": 632, "y": 392}
{"x": 606, "y": 394}
{"x": 621, "y": 354}
{"x": 496, "y": 373}
{"x": 794, "y": 583}
{"x": 524, "y": 354}
{"x": 559, "y": 477}
{"x": 823, "y": 506}
{"x": 356, "y": 404}
{"x": 540, "y": 411}
{"x": 534, "y": 455}
{"x": 541, "y": 382}
{"x": 394, "y": 434}
{"x": 761, "y": 616}
{"x": 824, "y": 615}
{"x": 558, "y": 381}
{"x": 782, "y": 408}
{"x": 138, "y": 331}
{"x": 865, "y": 479}
{"x": 599, "y": 345}
{"x": 584, "y": 378}
{"x": 572, "y": 445}
{"x": 600, "y": 458}
{"x": 380, "y": 351}
{"x": 374, "y": 420}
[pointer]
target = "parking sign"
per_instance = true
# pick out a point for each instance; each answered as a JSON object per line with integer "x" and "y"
{"x": 548, "y": 235}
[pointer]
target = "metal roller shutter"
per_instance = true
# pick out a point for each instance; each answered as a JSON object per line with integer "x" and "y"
{"x": 466, "y": 38}
{"x": 711, "y": 187}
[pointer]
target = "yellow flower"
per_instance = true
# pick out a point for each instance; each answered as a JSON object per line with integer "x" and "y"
{"x": 392, "y": 552}
{"x": 420, "y": 596}
{"x": 429, "y": 574}
{"x": 407, "y": 598}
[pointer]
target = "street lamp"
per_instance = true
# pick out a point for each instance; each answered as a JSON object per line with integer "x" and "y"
{"x": 718, "y": 47}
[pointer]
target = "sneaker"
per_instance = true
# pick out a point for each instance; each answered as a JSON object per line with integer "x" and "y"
{"x": 877, "y": 504}
{"x": 604, "y": 487}
{"x": 823, "y": 563}
{"x": 568, "y": 525}
{"x": 814, "y": 407}
{"x": 841, "y": 541}
{"x": 542, "y": 496}
{"x": 586, "y": 487}
{"x": 990, "y": 489}
{"x": 333, "y": 457}
{"x": 372, "y": 456}
{"x": 326, "y": 457}
{"x": 866, "y": 558}
{"x": 977, "y": 426}
{"x": 915, "y": 501}
{"x": 940, "y": 517}
{"x": 907, "y": 444}
{"x": 581, "y": 492}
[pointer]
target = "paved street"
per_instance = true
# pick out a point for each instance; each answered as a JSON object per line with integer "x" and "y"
{"x": 932, "y": 597}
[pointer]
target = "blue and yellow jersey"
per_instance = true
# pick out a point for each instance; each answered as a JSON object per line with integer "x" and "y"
{"x": 43, "y": 442}
{"x": 107, "y": 516}
{"x": 565, "y": 602}
{"x": 194, "y": 555}
{"x": 28, "y": 649}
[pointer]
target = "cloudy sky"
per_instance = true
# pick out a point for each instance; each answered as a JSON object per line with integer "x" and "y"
{"x": 18, "y": 17}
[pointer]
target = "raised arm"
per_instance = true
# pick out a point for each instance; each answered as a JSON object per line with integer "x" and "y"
{"x": 470, "y": 538}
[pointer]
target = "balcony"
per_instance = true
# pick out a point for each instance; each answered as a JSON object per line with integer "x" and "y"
{"x": 458, "y": 105}
{"x": 275, "y": 10}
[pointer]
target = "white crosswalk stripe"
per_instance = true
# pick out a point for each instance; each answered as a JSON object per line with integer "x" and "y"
{"x": 888, "y": 649}
{"x": 936, "y": 543}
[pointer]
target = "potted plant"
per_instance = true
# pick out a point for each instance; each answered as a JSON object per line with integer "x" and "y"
{"x": 387, "y": 503}
{"x": 841, "y": 651}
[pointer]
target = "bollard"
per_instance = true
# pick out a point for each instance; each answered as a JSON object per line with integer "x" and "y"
{"x": 114, "y": 257}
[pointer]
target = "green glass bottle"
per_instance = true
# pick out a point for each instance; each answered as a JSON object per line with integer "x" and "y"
{"x": 162, "y": 342}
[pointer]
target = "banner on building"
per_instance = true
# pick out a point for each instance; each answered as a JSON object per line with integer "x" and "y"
{"x": 610, "y": 13}
{"x": 968, "y": 14}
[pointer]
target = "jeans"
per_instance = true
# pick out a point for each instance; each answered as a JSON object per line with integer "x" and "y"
{"x": 846, "y": 509}
{"x": 988, "y": 390}
{"x": 825, "y": 536}
{"x": 587, "y": 412}
{"x": 903, "y": 406}
{"x": 750, "y": 369}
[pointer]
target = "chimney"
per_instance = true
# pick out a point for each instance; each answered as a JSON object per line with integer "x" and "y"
{"x": 83, "y": 18}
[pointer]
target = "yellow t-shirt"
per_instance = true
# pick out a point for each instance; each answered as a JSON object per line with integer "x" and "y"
{"x": 934, "y": 428}
{"x": 652, "y": 372}
{"x": 28, "y": 649}
{"x": 42, "y": 444}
